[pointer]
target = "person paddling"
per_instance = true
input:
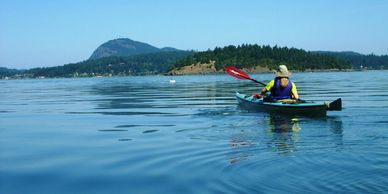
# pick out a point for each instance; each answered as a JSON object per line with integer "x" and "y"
{"x": 281, "y": 87}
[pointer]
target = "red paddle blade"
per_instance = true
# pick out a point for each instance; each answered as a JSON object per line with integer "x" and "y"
{"x": 237, "y": 73}
{"x": 240, "y": 74}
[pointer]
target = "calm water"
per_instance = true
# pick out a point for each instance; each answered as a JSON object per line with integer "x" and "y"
{"x": 146, "y": 135}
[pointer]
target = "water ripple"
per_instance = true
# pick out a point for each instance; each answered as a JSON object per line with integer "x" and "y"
{"x": 123, "y": 134}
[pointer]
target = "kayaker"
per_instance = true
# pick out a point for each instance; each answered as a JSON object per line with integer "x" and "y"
{"x": 281, "y": 87}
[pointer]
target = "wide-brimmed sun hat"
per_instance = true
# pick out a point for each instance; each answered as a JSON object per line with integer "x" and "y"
{"x": 282, "y": 71}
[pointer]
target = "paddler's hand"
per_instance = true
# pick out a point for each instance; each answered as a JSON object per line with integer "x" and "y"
{"x": 257, "y": 95}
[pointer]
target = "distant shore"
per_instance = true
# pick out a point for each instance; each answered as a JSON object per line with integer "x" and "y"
{"x": 199, "y": 69}
{"x": 196, "y": 69}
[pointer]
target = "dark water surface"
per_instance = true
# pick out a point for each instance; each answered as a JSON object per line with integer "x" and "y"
{"x": 147, "y": 135}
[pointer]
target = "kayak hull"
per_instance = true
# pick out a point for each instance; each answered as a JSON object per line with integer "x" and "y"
{"x": 302, "y": 108}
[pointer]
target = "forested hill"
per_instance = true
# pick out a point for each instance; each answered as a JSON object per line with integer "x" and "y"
{"x": 360, "y": 61}
{"x": 250, "y": 56}
{"x": 5, "y": 72}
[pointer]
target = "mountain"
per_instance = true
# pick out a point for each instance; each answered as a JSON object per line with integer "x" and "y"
{"x": 169, "y": 49}
{"x": 124, "y": 47}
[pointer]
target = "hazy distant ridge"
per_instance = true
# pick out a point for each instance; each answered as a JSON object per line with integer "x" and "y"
{"x": 358, "y": 60}
{"x": 124, "y": 47}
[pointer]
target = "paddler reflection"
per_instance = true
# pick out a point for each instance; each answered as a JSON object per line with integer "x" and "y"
{"x": 284, "y": 133}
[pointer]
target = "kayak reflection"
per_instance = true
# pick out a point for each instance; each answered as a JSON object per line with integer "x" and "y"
{"x": 281, "y": 123}
{"x": 283, "y": 132}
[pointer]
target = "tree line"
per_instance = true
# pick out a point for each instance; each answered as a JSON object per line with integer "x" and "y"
{"x": 248, "y": 56}
{"x": 153, "y": 63}
{"x": 5, "y": 72}
{"x": 245, "y": 55}
{"x": 359, "y": 61}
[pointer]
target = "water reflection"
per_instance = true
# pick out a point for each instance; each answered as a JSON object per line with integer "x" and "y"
{"x": 336, "y": 128}
{"x": 240, "y": 144}
{"x": 154, "y": 99}
{"x": 283, "y": 132}
{"x": 281, "y": 123}
{"x": 335, "y": 125}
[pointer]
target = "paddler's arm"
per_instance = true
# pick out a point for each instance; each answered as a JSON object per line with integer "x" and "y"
{"x": 268, "y": 87}
{"x": 294, "y": 92}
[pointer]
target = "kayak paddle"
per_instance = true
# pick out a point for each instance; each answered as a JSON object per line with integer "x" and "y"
{"x": 239, "y": 74}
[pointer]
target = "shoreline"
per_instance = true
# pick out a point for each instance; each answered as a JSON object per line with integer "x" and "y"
{"x": 196, "y": 73}
{"x": 209, "y": 68}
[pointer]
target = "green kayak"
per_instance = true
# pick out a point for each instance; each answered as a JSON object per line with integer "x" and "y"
{"x": 307, "y": 108}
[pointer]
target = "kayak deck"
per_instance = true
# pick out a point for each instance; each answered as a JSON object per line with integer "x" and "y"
{"x": 297, "y": 108}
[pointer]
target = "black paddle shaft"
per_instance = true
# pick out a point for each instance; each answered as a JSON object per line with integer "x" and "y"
{"x": 258, "y": 82}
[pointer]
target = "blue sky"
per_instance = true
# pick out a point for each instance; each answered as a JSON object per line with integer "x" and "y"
{"x": 41, "y": 33}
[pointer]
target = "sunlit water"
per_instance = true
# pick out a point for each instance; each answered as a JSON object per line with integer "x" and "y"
{"x": 148, "y": 135}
